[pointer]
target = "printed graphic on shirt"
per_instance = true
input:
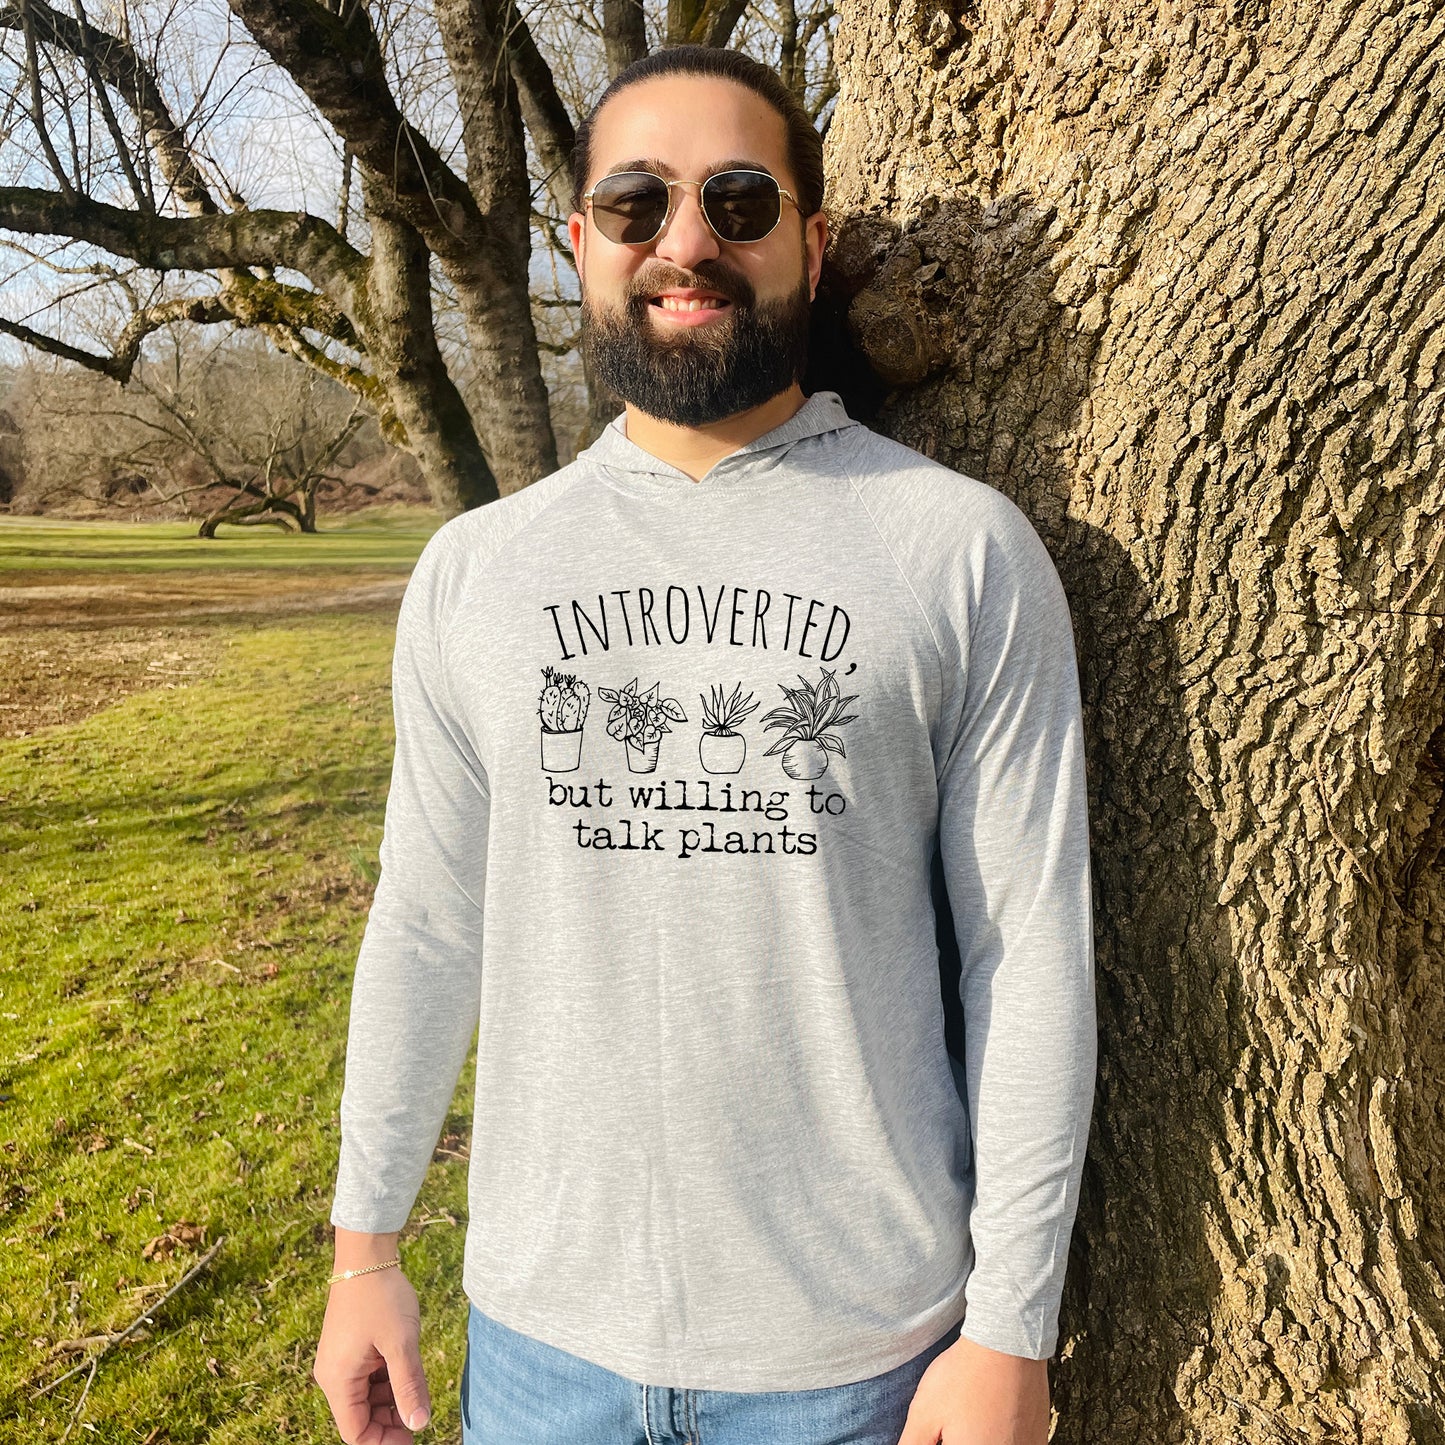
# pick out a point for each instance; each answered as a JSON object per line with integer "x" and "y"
{"x": 808, "y": 717}
{"x": 638, "y": 720}
{"x": 722, "y": 748}
{"x": 654, "y": 729}
{"x": 563, "y": 710}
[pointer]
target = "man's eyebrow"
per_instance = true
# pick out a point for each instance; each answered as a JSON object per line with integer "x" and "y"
{"x": 661, "y": 168}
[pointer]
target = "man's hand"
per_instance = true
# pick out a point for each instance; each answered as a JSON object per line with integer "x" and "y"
{"x": 368, "y": 1360}
{"x": 972, "y": 1395}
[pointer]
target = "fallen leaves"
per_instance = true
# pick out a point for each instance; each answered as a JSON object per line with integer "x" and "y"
{"x": 180, "y": 1235}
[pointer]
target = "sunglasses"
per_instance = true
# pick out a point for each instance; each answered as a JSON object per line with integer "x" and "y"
{"x": 632, "y": 207}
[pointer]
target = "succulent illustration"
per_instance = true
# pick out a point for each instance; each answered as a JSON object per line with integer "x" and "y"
{"x": 720, "y": 747}
{"x": 563, "y": 708}
{"x": 806, "y": 719}
{"x": 722, "y": 715}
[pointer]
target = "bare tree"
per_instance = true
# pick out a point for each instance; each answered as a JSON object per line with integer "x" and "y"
{"x": 439, "y": 123}
{"x": 217, "y": 429}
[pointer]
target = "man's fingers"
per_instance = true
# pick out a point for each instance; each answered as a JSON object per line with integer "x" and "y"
{"x": 367, "y": 1411}
{"x": 382, "y": 1432}
{"x": 408, "y": 1387}
{"x": 350, "y": 1401}
{"x": 917, "y": 1430}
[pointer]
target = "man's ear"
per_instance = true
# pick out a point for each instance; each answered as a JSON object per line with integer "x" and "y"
{"x": 577, "y": 235}
{"x": 815, "y": 239}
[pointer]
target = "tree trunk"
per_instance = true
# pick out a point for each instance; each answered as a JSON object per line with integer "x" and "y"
{"x": 1172, "y": 278}
{"x": 401, "y": 339}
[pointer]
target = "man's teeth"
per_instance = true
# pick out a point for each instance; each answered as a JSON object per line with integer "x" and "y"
{"x": 672, "y": 303}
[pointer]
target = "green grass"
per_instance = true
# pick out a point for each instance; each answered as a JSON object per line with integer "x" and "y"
{"x": 185, "y": 883}
{"x": 386, "y": 538}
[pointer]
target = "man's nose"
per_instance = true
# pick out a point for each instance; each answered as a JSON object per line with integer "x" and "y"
{"x": 687, "y": 238}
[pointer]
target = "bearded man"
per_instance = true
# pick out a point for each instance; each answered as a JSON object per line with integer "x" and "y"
{"x": 665, "y": 845}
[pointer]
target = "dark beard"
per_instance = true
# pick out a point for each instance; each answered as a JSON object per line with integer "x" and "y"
{"x": 704, "y": 374}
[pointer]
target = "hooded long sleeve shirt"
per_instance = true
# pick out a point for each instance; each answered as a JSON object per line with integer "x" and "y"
{"x": 672, "y": 761}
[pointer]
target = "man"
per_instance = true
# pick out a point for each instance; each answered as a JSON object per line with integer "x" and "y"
{"x": 678, "y": 730}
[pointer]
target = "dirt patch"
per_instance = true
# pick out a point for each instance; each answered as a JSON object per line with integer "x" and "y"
{"x": 66, "y": 599}
{"x": 74, "y": 643}
{"x": 62, "y": 676}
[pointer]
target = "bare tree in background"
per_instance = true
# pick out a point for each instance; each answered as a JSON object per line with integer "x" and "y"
{"x": 223, "y": 432}
{"x": 453, "y": 130}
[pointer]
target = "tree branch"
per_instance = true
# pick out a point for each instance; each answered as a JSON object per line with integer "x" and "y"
{"x": 117, "y": 63}
{"x": 473, "y": 36}
{"x": 702, "y": 22}
{"x": 290, "y": 239}
{"x": 360, "y": 383}
{"x": 719, "y": 21}
{"x": 144, "y": 198}
{"x": 624, "y": 34}
{"x": 543, "y": 111}
{"x": 337, "y": 62}
{"x": 37, "y": 100}
{"x": 116, "y": 367}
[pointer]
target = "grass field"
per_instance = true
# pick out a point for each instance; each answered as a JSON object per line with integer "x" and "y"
{"x": 190, "y": 806}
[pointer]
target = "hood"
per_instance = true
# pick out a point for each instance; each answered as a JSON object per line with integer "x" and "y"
{"x": 821, "y": 416}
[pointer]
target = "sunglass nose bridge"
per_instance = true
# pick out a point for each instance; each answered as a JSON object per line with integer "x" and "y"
{"x": 676, "y": 198}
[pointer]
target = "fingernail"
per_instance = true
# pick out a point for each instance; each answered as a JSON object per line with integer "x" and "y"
{"x": 418, "y": 1419}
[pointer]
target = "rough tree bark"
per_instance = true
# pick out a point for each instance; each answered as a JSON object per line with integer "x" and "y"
{"x": 1172, "y": 278}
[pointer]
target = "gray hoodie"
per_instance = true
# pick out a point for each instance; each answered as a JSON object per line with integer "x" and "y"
{"x": 671, "y": 761}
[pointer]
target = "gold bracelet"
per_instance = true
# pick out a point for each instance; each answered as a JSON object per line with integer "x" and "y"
{"x": 349, "y": 1273}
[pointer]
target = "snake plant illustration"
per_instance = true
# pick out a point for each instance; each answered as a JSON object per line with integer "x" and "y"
{"x": 639, "y": 720}
{"x": 563, "y": 710}
{"x": 807, "y": 717}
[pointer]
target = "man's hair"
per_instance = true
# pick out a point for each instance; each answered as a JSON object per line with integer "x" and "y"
{"x": 805, "y": 145}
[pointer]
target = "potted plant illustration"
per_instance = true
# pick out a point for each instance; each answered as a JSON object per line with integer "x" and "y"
{"x": 721, "y": 747}
{"x": 639, "y": 720}
{"x": 563, "y": 711}
{"x": 806, "y": 717}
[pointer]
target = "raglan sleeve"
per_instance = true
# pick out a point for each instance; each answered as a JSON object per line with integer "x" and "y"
{"x": 1013, "y": 839}
{"x": 416, "y": 991}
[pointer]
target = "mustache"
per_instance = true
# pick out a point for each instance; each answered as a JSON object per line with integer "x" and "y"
{"x": 709, "y": 277}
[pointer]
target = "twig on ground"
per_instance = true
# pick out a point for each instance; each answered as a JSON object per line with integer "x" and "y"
{"x": 111, "y": 1341}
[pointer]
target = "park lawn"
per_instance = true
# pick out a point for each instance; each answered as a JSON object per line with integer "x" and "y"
{"x": 381, "y": 538}
{"x": 186, "y": 875}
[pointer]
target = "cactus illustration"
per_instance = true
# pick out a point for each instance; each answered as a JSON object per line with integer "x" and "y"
{"x": 563, "y": 711}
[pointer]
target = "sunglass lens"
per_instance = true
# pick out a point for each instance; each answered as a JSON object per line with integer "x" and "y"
{"x": 742, "y": 205}
{"x": 629, "y": 207}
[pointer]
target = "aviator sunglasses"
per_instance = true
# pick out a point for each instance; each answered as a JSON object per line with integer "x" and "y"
{"x": 632, "y": 207}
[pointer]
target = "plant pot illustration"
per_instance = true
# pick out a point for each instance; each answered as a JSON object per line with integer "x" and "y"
{"x": 561, "y": 752}
{"x": 638, "y": 720}
{"x": 642, "y": 757}
{"x": 806, "y": 719}
{"x": 721, "y": 748}
{"x": 563, "y": 711}
{"x": 722, "y": 752}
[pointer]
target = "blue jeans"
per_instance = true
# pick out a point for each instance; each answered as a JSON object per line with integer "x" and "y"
{"x": 518, "y": 1391}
